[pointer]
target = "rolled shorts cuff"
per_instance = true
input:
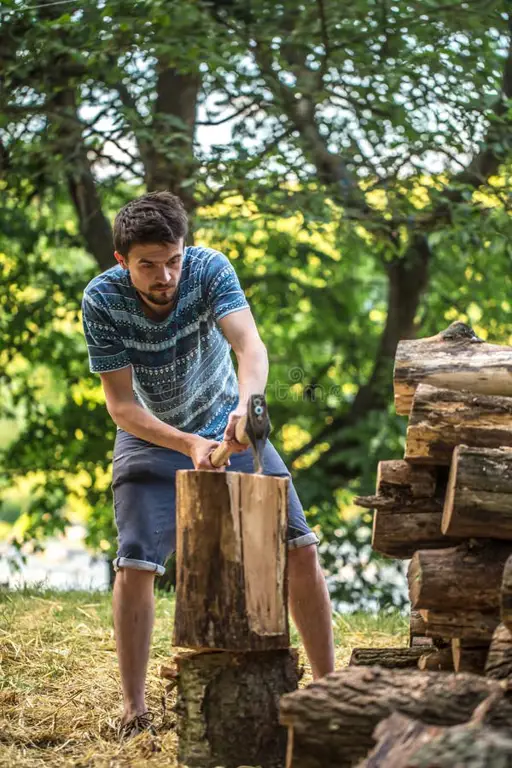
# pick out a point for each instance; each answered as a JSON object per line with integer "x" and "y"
{"x": 303, "y": 541}
{"x": 138, "y": 565}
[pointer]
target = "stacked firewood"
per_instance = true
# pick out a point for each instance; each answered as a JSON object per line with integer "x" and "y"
{"x": 448, "y": 508}
{"x": 448, "y": 504}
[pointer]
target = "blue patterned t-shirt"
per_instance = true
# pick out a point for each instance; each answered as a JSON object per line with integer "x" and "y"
{"x": 181, "y": 366}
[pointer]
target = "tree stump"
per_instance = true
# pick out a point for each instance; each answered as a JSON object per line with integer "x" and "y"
{"x": 331, "y": 722}
{"x": 479, "y": 496}
{"x": 228, "y": 705}
{"x": 453, "y": 359}
{"x": 442, "y": 419}
{"x": 231, "y": 590}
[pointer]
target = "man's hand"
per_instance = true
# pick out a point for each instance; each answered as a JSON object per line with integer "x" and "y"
{"x": 230, "y": 431}
{"x": 200, "y": 450}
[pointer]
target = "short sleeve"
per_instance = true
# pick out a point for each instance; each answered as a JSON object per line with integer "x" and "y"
{"x": 104, "y": 344}
{"x": 221, "y": 286}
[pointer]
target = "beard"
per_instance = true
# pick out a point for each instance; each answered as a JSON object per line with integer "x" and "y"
{"x": 160, "y": 298}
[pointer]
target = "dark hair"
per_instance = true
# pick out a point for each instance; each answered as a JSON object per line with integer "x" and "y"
{"x": 157, "y": 217}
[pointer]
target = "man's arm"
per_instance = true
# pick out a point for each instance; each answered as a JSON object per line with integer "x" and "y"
{"x": 241, "y": 332}
{"x": 133, "y": 418}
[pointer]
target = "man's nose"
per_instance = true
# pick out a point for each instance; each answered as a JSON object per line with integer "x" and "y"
{"x": 164, "y": 274}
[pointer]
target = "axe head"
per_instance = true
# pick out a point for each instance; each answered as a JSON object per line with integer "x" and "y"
{"x": 257, "y": 428}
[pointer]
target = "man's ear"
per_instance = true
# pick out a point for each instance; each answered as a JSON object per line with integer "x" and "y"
{"x": 121, "y": 260}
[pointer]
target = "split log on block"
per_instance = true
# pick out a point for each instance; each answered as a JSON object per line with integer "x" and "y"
{"x": 468, "y": 625}
{"x": 468, "y": 575}
{"x": 231, "y": 590}
{"x": 453, "y": 359}
{"x": 479, "y": 495}
{"x": 228, "y": 707}
{"x": 436, "y": 660}
{"x": 441, "y": 419}
{"x": 388, "y": 658}
{"x": 468, "y": 657}
{"x": 403, "y": 742}
{"x": 506, "y": 595}
{"x": 499, "y": 658}
{"x": 331, "y": 722}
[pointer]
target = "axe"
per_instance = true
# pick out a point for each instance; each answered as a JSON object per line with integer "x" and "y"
{"x": 252, "y": 429}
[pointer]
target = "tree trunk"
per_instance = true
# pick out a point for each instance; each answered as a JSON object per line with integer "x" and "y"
{"x": 506, "y": 595}
{"x": 441, "y": 419}
{"x": 479, "y": 496}
{"x": 436, "y": 660}
{"x": 228, "y": 707}
{"x": 499, "y": 658}
{"x": 231, "y": 590}
{"x": 468, "y": 657}
{"x": 403, "y": 742}
{"x": 467, "y": 625}
{"x": 453, "y": 359}
{"x": 388, "y": 658}
{"x": 333, "y": 719}
{"x": 465, "y": 577}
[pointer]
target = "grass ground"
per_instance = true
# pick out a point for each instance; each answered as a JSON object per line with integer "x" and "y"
{"x": 59, "y": 688}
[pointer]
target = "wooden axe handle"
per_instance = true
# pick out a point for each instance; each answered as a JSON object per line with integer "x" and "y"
{"x": 221, "y": 454}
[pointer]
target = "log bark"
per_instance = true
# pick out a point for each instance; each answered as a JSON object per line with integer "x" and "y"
{"x": 408, "y": 508}
{"x": 451, "y": 361}
{"x": 333, "y": 719}
{"x": 403, "y": 742}
{"x": 478, "y": 501}
{"x": 436, "y": 660}
{"x": 506, "y": 595}
{"x": 469, "y": 575}
{"x": 398, "y": 533}
{"x": 231, "y": 590}
{"x": 499, "y": 658}
{"x": 403, "y": 482}
{"x": 441, "y": 419}
{"x": 467, "y": 625}
{"x": 468, "y": 657}
{"x": 387, "y": 658}
{"x": 418, "y": 631}
{"x": 228, "y": 708}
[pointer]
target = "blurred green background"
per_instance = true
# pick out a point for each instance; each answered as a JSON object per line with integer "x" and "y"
{"x": 354, "y": 162}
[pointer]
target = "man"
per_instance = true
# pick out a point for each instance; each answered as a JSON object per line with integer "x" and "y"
{"x": 159, "y": 328}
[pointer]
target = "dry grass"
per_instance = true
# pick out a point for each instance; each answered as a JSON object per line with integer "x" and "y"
{"x": 59, "y": 688}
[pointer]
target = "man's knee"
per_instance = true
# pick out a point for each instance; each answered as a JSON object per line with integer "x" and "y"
{"x": 134, "y": 579}
{"x": 302, "y": 560}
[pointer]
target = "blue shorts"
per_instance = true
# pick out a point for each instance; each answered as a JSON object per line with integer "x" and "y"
{"x": 144, "y": 488}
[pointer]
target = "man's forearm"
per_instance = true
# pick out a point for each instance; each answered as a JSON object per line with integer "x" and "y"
{"x": 133, "y": 418}
{"x": 252, "y": 372}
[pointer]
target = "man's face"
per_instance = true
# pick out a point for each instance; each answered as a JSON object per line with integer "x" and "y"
{"x": 155, "y": 271}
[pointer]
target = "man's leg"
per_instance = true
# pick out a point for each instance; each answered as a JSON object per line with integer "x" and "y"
{"x": 133, "y": 607}
{"x": 310, "y": 607}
